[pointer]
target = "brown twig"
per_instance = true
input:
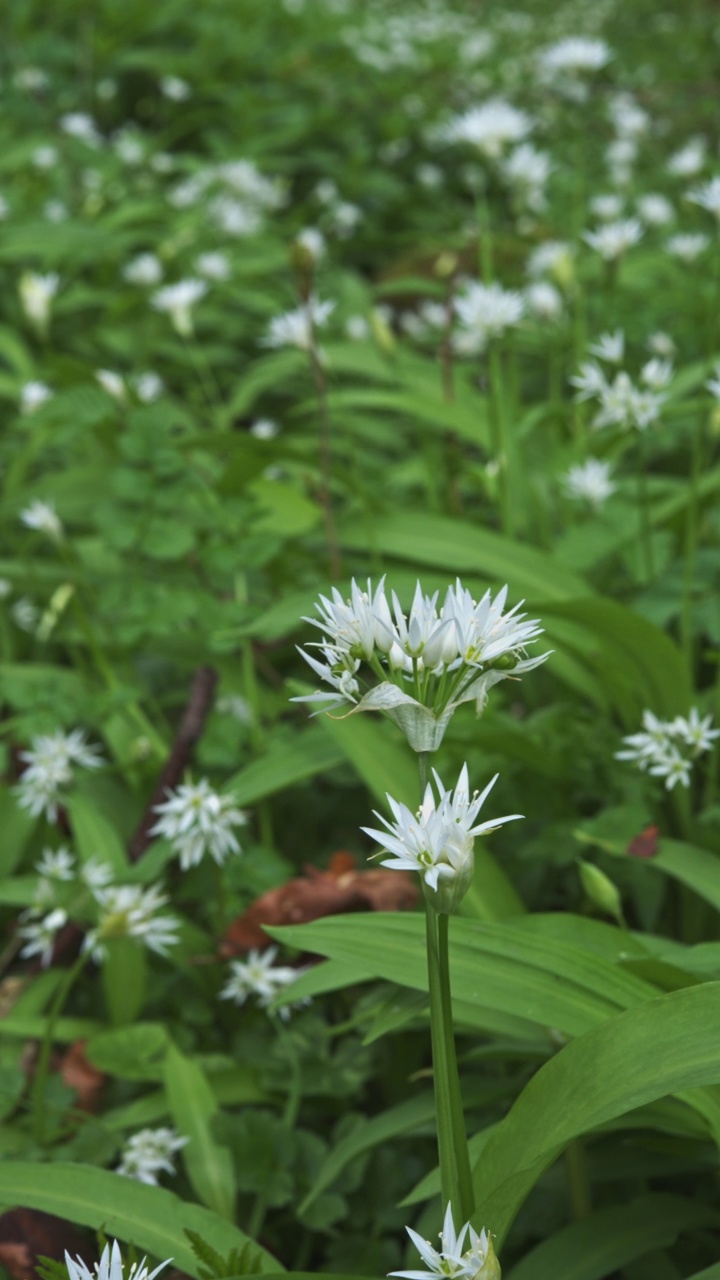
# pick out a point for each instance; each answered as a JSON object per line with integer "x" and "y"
{"x": 189, "y": 731}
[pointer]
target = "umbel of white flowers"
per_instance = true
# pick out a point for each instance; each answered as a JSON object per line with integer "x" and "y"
{"x": 668, "y": 748}
{"x": 417, "y": 667}
{"x": 438, "y": 840}
{"x": 110, "y": 1267}
{"x": 478, "y": 1262}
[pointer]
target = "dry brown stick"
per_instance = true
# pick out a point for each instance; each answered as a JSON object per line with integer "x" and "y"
{"x": 189, "y": 730}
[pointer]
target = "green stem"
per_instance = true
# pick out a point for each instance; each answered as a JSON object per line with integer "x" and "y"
{"x": 691, "y": 540}
{"x": 449, "y": 1183}
{"x": 502, "y": 439}
{"x": 423, "y": 771}
{"x": 39, "y": 1088}
{"x": 462, "y": 1158}
{"x": 645, "y": 540}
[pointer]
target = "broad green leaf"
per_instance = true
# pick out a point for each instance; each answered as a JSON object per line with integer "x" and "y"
{"x": 193, "y": 1105}
{"x": 130, "y": 1053}
{"x": 697, "y": 868}
{"x": 459, "y": 547}
{"x": 16, "y": 825}
{"x": 665, "y": 1046}
{"x": 501, "y": 969}
{"x": 285, "y": 764}
{"x": 151, "y": 1218}
{"x": 236, "y": 1085}
{"x": 285, "y": 512}
{"x": 93, "y": 835}
{"x": 124, "y": 978}
{"x": 609, "y": 1239}
{"x": 378, "y": 753}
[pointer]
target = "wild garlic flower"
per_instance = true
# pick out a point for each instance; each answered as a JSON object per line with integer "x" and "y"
{"x": 259, "y": 976}
{"x": 197, "y": 820}
{"x": 32, "y": 395}
{"x": 43, "y": 517}
{"x": 607, "y": 207}
{"x": 543, "y": 300}
{"x": 36, "y": 295}
{"x": 80, "y": 125}
{"x": 49, "y": 771}
{"x": 707, "y": 196}
{"x": 130, "y": 911}
{"x": 484, "y": 312}
{"x": 614, "y": 238}
{"x": 56, "y": 864}
{"x": 668, "y": 748}
{"x": 213, "y": 266}
{"x": 40, "y": 935}
{"x": 150, "y": 1152}
{"x": 491, "y": 127}
{"x": 689, "y": 160}
{"x": 687, "y": 245}
{"x": 175, "y": 89}
{"x": 177, "y": 301}
{"x": 655, "y": 210}
{"x": 622, "y": 403}
{"x": 146, "y": 269}
{"x": 478, "y": 1262}
{"x": 609, "y": 347}
{"x": 555, "y": 258}
{"x": 297, "y": 328}
{"x": 590, "y": 481}
{"x": 573, "y": 55}
{"x": 111, "y": 382}
{"x": 427, "y": 662}
{"x": 110, "y": 1267}
{"x": 438, "y": 840}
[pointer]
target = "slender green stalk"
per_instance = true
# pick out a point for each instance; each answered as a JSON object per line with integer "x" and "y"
{"x": 691, "y": 541}
{"x": 645, "y": 538}
{"x": 462, "y": 1158}
{"x": 39, "y": 1088}
{"x": 501, "y": 439}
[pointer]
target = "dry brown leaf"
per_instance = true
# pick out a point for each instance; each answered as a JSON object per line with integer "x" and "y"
{"x": 80, "y": 1074}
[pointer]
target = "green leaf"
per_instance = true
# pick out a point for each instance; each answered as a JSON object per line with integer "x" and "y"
{"x": 662, "y": 1047}
{"x": 130, "y": 1053}
{"x": 193, "y": 1105}
{"x": 443, "y": 543}
{"x": 17, "y": 826}
{"x": 378, "y": 753}
{"x": 94, "y": 835}
{"x": 151, "y": 1218}
{"x": 124, "y": 977}
{"x": 285, "y": 512}
{"x": 611, "y": 1238}
{"x": 285, "y": 764}
{"x": 697, "y": 868}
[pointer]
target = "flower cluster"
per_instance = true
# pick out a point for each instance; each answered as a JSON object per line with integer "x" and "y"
{"x": 259, "y": 976}
{"x": 50, "y": 762}
{"x": 148, "y": 1153}
{"x": 590, "y": 481}
{"x": 667, "y": 748}
{"x": 198, "y": 820}
{"x": 484, "y": 311}
{"x": 438, "y": 840}
{"x": 86, "y": 894}
{"x": 622, "y": 402}
{"x": 110, "y": 1267}
{"x": 427, "y": 662}
{"x": 478, "y": 1262}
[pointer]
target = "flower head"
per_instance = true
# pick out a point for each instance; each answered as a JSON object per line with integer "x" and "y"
{"x": 490, "y": 127}
{"x": 40, "y": 935}
{"x": 198, "y": 820}
{"x": 36, "y": 295}
{"x": 667, "y": 748}
{"x": 614, "y": 238}
{"x": 259, "y": 976}
{"x": 129, "y": 911}
{"x": 297, "y": 328}
{"x": 446, "y": 654}
{"x": 150, "y": 1152}
{"x": 43, "y": 517}
{"x": 110, "y": 1267}
{"x": 590, "y": 480}
{"x": 478, "y": 1262}
{"x": 707, "y": 196}
{"x": 438, "y": 840}
{"x": 49, "y": 769}
{"x": 484, "y": 311}
{"x": 177, "y": 300}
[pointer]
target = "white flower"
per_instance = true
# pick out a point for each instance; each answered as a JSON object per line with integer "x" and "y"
{"x": 259, "y": 976}
{"x": 36, "y": 295}
{"x": 697, "y": 733}
{"x": 40, "y": 935}
{"x": 607, "y": 207}
{"x": 49, "y": 768}
{"x": 591, "y": 481}
{"x": 235, "y": 705}
{"x": 490, "y": 127}
{"x": 590, "y": 381}
{"x": 95, "y": 873}
{"x": 150, "y": 1152}
{"x": 175, "y": 89}
{"x": 43, "y": 517}
{"x": 32, "y": 78}
{"x": 573, "y": 54}
{"x": 77, "y": 124}
{"x": 671, "y": 766}
{"x": 484, "y": 311}
{"x": 610, "y": 347}
{"x": 148, "y": 386}
{"x": 661, "y": 344}
{"x": 656, "y": 374}
{"x": 655, "y": 210}
{"x": 447, "y": 656}
{"x": 544, "y": 300}
{"x": 658, "y": 748}
{"x": 264, "y": 429}
{"x": 128, "y": 146}
{"x": 44, "y": 157}
{"x": 213, "y": 265}
{"x": 32, "y": 395}
{"x": 55, "y": 211}
{"x": 438, "y": 840}
{"x": 357, "y": 328}
{"x": 622, "y": 404}
{"x": 110, "y": 1267}
{"x": 26, "y": 615}
{"x": 687, "y": 245}
{"x": 145, "y": 269}
{"x": 56, "y": 864}
{"x": 313, "y": 241}
{"x": 177, "y": 300}
{"x": 628, "y": 117}
{"x": 297, "y": 328}
{"x": 198, "y": 820}
{"x": 450, "y": 1261}
{"x": 707, "y": 196}
{"x": 129, "y": 911}
{"x": 234, "y": 217}
{"x": 111, "y": 382}
{"x": 614, "y": 238}
{"x": 689, "y": 160}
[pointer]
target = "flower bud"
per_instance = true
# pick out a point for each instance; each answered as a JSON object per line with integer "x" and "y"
{"x": 601, "y": 890}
